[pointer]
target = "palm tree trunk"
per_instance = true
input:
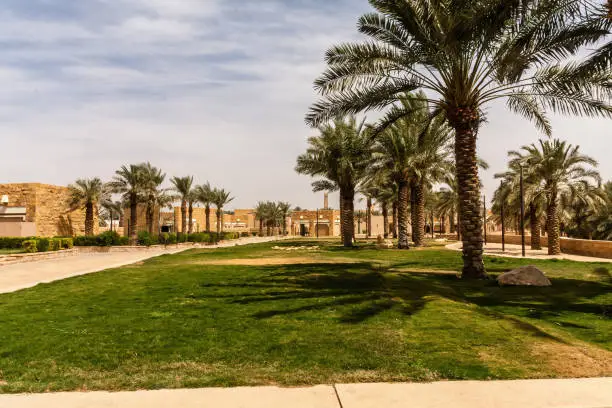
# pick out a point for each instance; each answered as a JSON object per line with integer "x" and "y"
{"x": 347, "y": 210}
{"x": 394, "y": 216}
{"x": 369, "y": 217}
{"x": 190, "y": 228}
{"x": 183, "y": 217}
{"x": 149, "y": 218}
{"x": 534, "y": 226}
{"x": 218, "y": 223}
{"x": 418, "y": 213}
{"x": 133, "y": 219}
{"x": 207, "y": 213}
{"x": 402, "y": 215}
{"x": 552, "y": 221}
{"x": 451, "y": 221}
{"x": 261, "y": 234}
{"x": 465, "y": 122}
{"x": 89, "y": 218}
{"x": 385, "y": 214}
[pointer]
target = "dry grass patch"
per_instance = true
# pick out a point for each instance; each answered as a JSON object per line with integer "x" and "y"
{"x": 570, "y": 360}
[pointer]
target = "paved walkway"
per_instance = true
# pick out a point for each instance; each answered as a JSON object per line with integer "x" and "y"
{"x": 514, "y": 251}
{"x": 580, "y": 393}
{"x": 25, "y": 275}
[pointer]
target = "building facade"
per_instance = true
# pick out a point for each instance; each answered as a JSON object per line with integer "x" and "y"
{"x": 36, "y": 209}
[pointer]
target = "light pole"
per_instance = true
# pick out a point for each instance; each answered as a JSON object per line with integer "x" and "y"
{"x": 503, "y": 225}
{"x": 484, "y": 216}
{"x": 522, "y": 213}
{"x": 317, "y": 224}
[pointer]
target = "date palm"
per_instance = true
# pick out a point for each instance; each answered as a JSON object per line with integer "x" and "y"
{"x": 112, "y": 208}
{"x": 129, "y": 181}
{"x": 560, "y": 173}
{"x": 261, "y": 214}
{"x": 220, "y": 199}
{"x": 153, "y": 193}
{"x": 285, "y": 210}
{"x": 87, "y": 194}
{"x": 184, "y": 188}
{"x": 466, "y": 54}
{"x": 339, "y": 155}
{"x": 204, "y": 195}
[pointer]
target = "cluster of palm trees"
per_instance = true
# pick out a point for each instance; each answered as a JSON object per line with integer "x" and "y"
{"x": 536, "y": 55}
{"x": 272, "y": 216}
{"x": 143, "y": 184}
{"x": 558, "y": 181}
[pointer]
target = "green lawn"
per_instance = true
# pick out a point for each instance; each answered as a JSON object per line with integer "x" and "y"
{"x": 246, "y": 316}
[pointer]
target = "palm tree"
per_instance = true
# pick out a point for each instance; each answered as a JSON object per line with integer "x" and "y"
{"x": 129, "y": 181}
{"x": 220, "y": 199}
{"x": 338, "y": 155}
{"x": 261, "y": 214}
{"x": 559, "y": 172}
{"x": 111, "y": 207}
{"x": 183, "y": 186}
{"x": 360, "y": 215}
{"x": 204, "y": 195}
{"x": 285, "y": 210}
{"x": 482, "y": 51}
{"x": 86, "y": 193}
{"x": 153, "y": 179}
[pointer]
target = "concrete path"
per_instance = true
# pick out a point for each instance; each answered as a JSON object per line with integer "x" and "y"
{"x": 581, "y": 393}
{"x": 514, "y": 251}
{"x": 25, "y": 275}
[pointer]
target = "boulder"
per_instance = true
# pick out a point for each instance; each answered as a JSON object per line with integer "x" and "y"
{"x": 524, "y": 276}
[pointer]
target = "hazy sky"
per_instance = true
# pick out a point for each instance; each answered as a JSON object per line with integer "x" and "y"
{"x": 213, "y": 88}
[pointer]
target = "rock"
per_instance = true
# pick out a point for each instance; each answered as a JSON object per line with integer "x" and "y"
{"x": 385, "y": 244}
{"x": 524, "y": 276}
{"x": 379, "y": 239}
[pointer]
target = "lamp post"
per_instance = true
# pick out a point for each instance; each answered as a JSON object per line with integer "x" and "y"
{"x": 522, "y": 213}
{"x": 317, "y": 224}
{"x": 503, "y": 225}
{"x": 484, "y": 216}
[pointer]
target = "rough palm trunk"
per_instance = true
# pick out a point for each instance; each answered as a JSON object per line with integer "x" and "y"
{"x": 207, "y": 213}
{"x": 183, "y": 217}
{"x": 347, "y": 221}
{"x": 89, "y": 218}
{"x": 402, "y": 215}
{"x": 465, "y": 122}
{"x": 417, "y": 210}
{"x": 552, "y": 221}
{"x": 261, "y": 228}
{"x": 149, "y": 218}
{"x": 368, "y": 217}
{"x": 385, "y": 214}
{"x": 535, "y": 227}
{"x": 451, "y": 221}
{"x": 190, "y": 228}
{"x": 133, "y": 219}
{"x": 394, "y": 215}
{"x": 219, "y": 213}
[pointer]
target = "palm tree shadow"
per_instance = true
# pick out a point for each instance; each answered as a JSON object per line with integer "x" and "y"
{"x": 361, "y": 291}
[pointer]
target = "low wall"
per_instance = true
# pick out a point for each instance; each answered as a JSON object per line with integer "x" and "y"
{"x": 37, "y": 256}
{"x": 134, "y": 248}
{"x": 584, "y": 247}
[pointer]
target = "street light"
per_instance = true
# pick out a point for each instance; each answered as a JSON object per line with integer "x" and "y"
{"x": 522, "y": 213}
{"x": 484, "y": 216}
{"x": 503, "y": 226}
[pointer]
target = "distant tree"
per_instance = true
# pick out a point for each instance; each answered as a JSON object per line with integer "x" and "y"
{"x": 153, "y": 178}
{"x": 204, "y": 195}
{"x": 183, "y": 187}
{"x": 220, "y": 199}
{"x": 87, "y": 193}
{"x": 129, "y": 181}
{"x": 285, "y": 211}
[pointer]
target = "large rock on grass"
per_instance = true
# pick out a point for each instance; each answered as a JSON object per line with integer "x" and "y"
{"x": 524, "y": 276}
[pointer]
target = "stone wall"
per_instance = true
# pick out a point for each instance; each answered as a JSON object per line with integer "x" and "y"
{"x": 141, "y": 219}
{"x": 47, "y": 206}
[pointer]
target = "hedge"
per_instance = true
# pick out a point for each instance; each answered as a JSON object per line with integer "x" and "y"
{"x": 29, "y": 245}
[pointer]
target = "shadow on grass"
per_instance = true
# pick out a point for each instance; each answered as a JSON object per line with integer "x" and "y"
{"x": 369, "y": 289}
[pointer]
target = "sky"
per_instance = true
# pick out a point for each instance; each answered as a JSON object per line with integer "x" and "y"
{"x": 217, "y": 89}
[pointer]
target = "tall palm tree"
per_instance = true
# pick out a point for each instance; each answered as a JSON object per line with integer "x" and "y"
{"x": 482, "y": 51}
{"x": 338, "y": 155}
{"x": 112, "y": 208}
{"x": 415, "y": 152}
{"x": 261, "y": 214}
{"x": 220, "y": 199}
{"x": 183, "y": 187}
{"x": 204, "y": 195}
{"x": 153, "y": 178}
{"x": 285, "y": 210}
{"x": 129, "y": 181}
{"x": 87, "y": 193}
{"x": 561, "y": 173}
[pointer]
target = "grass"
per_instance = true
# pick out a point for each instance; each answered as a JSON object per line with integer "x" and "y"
{"x": 228, "y": 317}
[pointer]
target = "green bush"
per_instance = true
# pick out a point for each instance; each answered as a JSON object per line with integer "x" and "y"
{"x": 67, "y": 243}
{"x": 55, "y": 244}
{"x": 146, "y": 239}
{"x": 199, "y": 237}
{"x": 13, "y": 242}
{"x": 107, "y": 238}
{"x": 86, "y": 240}
{"x": 123, "y": 241}
{"x": 29, "y": 245}
{"x": 172, "y": 239}
{"x": 42, "y": 244}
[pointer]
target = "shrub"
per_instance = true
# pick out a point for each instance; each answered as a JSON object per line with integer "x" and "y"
{"x": 199, "y": 237}
{"x": 124, "y": 241}
{"x": 244, "y": 234}
{"x": 67, "y": 243}
{"x": 13, "y": 242}
{"x": 85, "y": 240}
{"x": 42, "y": 244}
{"x": 55, "y": 244}
{"x": 29, "y": 246}
{"x": 146, "y": 239}
{"x": 108, "y": 238}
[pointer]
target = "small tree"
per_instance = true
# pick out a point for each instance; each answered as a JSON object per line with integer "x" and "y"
{"x": 87, "y": 193}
